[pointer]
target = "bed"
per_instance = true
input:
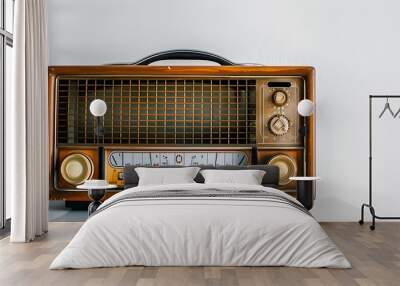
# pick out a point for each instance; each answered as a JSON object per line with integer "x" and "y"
{"x": 201, "y": 224}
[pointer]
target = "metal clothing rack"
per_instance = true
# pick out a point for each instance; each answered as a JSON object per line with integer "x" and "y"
{"x": 370, "y": 204}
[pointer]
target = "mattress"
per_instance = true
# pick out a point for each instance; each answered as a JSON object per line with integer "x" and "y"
{"x": 201, "y": 225}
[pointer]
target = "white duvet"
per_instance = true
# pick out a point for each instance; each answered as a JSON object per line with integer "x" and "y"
{"x": 193, "y": 231}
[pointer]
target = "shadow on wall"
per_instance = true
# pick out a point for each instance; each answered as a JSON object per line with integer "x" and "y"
{"x": 59, "y": 213}
{"x": 329, "y": 208}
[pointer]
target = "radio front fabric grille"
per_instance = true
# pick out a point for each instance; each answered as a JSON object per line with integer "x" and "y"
{"x": 158, "y": 111}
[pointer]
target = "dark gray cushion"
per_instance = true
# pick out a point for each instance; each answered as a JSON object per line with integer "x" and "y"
{"x": 271, "y": 176}
{"x": 270, "y": 179}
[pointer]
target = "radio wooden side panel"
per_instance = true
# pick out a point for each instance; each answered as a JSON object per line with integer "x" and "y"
{"x": 89, "y": 155}
{"x": 293, "y": 158}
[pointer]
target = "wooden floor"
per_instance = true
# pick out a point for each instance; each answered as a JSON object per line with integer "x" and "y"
{"x": 375, "y": 257}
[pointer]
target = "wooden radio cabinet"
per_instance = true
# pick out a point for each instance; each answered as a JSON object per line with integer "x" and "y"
{"x": 166, "y": 115}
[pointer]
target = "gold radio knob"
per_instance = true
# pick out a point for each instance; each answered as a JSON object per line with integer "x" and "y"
{"x": 76, "y": 168}
{"x": 278, "y": 125}
{"x": 280, "y": 97}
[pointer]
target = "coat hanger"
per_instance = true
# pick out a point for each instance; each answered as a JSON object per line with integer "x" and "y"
{"x": 397, "y": 113}
{"x": 387, "y": 107}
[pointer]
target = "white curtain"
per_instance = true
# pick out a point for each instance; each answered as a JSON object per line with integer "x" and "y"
{"x": 26, "y": 120}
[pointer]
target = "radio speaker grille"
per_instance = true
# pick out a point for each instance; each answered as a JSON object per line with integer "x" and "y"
{"x": 158, "y": 111}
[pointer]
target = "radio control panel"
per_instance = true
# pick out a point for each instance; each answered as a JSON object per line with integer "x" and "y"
{"x": 278, "y": 121}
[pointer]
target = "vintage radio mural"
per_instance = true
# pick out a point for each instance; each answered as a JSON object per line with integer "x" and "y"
{"x": 167, "y": 116}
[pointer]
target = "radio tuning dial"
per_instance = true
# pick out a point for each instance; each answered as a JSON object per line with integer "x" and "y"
{"x": 278, "y": 125}
{"x": 280, "y": 98}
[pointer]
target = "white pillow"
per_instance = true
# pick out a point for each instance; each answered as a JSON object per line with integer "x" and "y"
{"x": 248, "y": 177}
{"x": 166, "y": 176}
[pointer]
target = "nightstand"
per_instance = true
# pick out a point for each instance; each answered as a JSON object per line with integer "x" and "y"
{"x": 305, "y": 193}
{"x": 96, "y": 194}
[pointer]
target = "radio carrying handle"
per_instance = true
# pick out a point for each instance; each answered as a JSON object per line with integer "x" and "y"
{"x": 184, "y": 55}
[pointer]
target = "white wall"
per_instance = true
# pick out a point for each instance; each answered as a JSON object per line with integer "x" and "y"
{"x": 354, "y": 45}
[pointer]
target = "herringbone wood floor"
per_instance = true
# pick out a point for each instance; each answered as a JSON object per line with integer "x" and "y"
{"x": 375, "y": 257}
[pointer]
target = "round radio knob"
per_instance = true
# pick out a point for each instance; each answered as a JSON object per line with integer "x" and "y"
{"x": 280, "y": 97}
{"x": 278, "y": 125}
